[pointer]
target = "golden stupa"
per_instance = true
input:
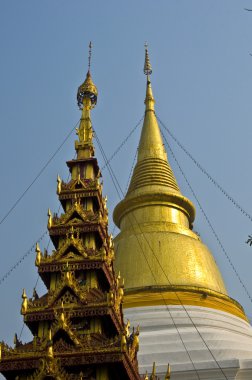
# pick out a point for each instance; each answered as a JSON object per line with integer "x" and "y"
{"x": 161, "y": 258}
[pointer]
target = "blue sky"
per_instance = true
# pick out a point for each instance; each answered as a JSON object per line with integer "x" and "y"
{"x": 202, "y": 83}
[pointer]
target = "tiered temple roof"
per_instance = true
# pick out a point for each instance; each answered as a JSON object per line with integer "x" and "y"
{"x": 77, "y": 326}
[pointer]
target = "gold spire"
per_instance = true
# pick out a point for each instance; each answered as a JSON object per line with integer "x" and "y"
{"x": 152, "y": 172}
{"x": 86, "y": 99}
{"x": 152, "y": 167}
{"x": 157, "y": 250}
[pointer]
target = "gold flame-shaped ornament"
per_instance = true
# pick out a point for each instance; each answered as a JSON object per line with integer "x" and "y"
{"x": 59, "y": 182}
{"x": 49, "y": 345}
{"x": 49, "y": 336}
{"x": 62, "y": 315}
{"x": 118, "y": 278}
{"x": 24, "y": 303}
{"x": 38, "y": 255}
{"x": 68, "y": 274}
{"x": 49, "y": 222}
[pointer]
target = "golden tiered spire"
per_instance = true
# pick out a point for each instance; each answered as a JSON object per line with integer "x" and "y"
{"x": 79, "y": 318}
{"x": 157, "y": 250}
{"x": 86, "y": 99}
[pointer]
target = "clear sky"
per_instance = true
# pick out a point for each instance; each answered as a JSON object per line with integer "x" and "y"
{"x": 202, "y": 82}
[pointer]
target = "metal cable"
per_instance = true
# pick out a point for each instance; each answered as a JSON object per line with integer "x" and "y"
{"x": 41, "y": 171}
{"x": 115, "y": 181}
{"x": 202, "y": 210}
{"x": 128, "y": 182}
{"x": 229, "y": 197}
{"x": 122, "y": 144}
{"x": 38, "y": 175}
{"x": 117, "y": 185}
{"x": 47, "y": 247}
{"x": 209, "y": 222}
{"x": 131, "y": 170}
{"x": 212, "y": 355}
{"x": 21, "y": 332}
{"x": 154, "y": 277}
{"x": 110, "y": 159}
{"x": 107, "y": 162}
{"x": 31, "y": 250}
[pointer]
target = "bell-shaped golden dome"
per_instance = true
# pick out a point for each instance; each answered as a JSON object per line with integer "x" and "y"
{"x": 160, "y": 257}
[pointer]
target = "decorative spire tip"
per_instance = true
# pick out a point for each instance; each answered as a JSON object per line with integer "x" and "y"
{"x": 89, "y": 55}
{"x": 88, "y": 89}
{"x": 147, "y": 64}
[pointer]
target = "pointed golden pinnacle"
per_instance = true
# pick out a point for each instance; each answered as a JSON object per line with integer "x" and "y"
{"x": 147, "y": 64}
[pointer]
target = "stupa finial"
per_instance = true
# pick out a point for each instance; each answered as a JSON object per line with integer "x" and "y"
{"x": 149, "y": 99}
{"x": 147, "y": 64}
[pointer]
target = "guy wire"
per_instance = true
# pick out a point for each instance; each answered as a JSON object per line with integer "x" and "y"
{"x": 114, "y": 180}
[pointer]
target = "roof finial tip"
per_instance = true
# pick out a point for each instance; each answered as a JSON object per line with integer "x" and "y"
{"x": 89, "y": 55}
{"x": 147, "y": 64}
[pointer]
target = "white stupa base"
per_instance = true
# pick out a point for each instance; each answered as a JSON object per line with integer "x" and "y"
{"x": 199, "y": 343}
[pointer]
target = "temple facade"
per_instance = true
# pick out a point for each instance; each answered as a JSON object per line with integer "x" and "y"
{"x": 173, "y": 287}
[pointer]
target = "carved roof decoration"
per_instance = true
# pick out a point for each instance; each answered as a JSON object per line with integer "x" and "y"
{"x": 81, "y": 184}
{"x": 77, "y": 214}
{"x": 73, "y": 248}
